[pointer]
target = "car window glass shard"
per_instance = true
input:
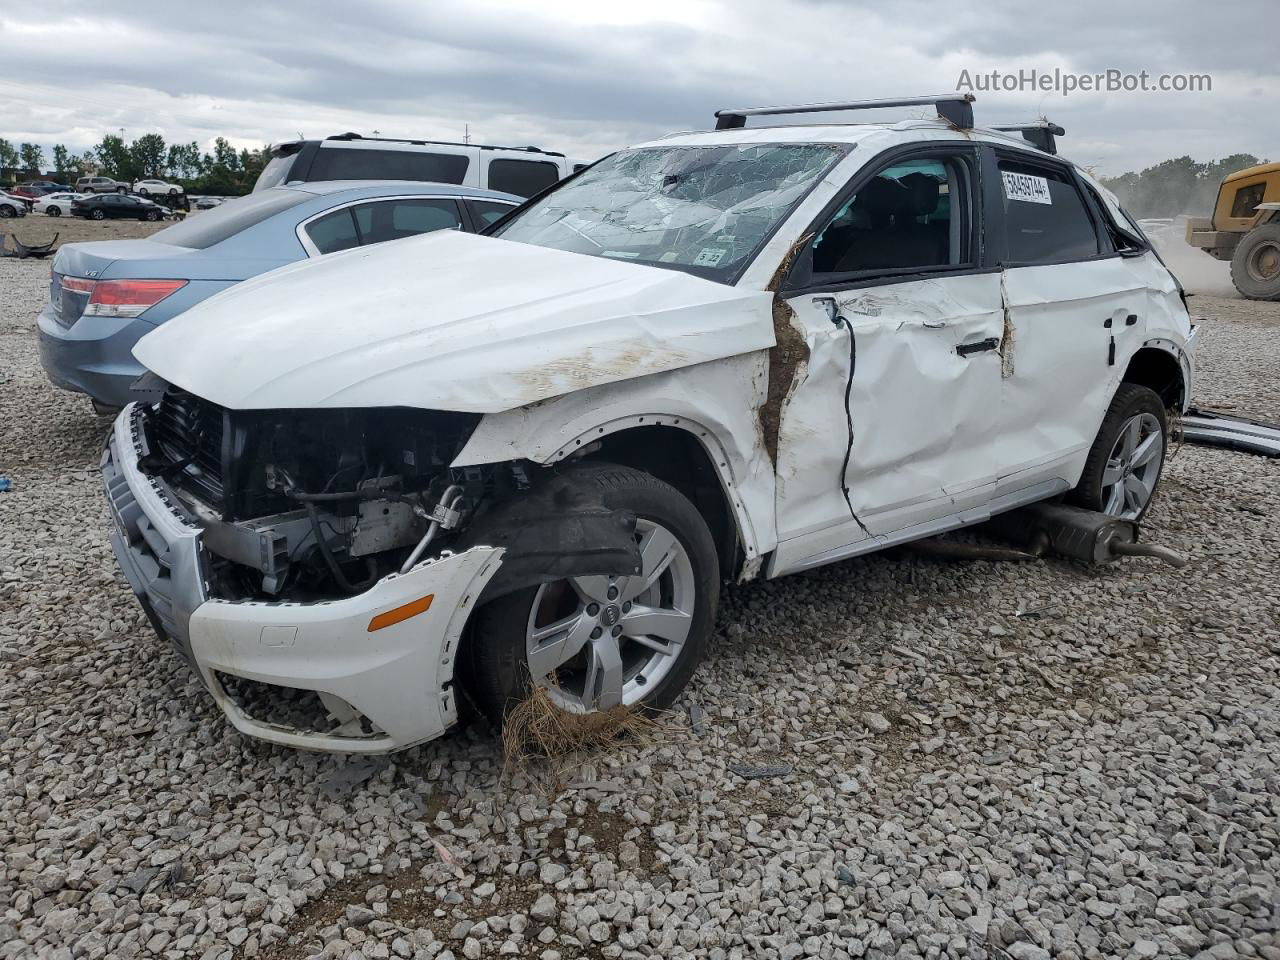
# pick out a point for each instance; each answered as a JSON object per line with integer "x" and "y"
{"x": 647, "y": 204}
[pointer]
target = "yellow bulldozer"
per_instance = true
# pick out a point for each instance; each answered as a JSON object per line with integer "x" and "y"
{"x": 1245, "y": 229}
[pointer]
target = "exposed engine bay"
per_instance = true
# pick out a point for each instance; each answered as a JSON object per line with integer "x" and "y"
{"x": 313, "y": 505}
{"x": 309, "y": 505}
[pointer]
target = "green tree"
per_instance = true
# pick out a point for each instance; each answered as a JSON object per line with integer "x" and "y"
{"x": 8, "y": 156}
{"x": 184, "y": 161}
{"x": 62, "y": 162}
{"x": 1180, "y": 185}
{"x": 114, "y": 158}
{"x": 87, "y": 164}
{"x": 148, "y": 155}
{"x": 32, "y": 158}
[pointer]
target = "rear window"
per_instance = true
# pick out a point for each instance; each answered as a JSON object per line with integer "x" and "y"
{"x": 203, "y": 230}
{"x": 344, "y": 163}
{"x": 524, "y": 178}
{"x": 1045, "y": 218}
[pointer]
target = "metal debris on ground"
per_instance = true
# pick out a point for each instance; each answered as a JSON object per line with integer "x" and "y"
{"x": 23, "y": 251}
{"x": 1213, "y": 428}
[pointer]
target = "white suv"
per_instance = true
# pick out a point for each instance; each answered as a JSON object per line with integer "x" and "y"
{"x": 718, "y": 356}
{"x": 523, "y": 171}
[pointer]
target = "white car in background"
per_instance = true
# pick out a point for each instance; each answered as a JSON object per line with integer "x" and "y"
{"x": 145, "y": 187}
{"x": 56, "y": 204}
{"x": 11, "y": 206}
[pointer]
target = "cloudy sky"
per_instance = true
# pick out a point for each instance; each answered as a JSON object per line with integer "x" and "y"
{"x": 588, "y": 77}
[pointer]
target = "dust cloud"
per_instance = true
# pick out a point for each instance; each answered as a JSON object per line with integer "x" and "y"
{"x": 1196, "y": 270}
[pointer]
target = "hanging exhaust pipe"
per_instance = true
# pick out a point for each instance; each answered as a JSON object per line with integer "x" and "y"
{"x": 1079, "y": 534}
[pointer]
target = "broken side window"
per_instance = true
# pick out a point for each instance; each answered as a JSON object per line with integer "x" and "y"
{"x": 702, "y": 210}
{"x": 912, "y": 214}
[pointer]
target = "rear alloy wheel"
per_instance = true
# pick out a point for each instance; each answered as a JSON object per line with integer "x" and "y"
{"x": 1255, "y": 265}
{"x": 597, "y": 642}
{"x": 98, "y": 214}
{"x": 1124, "y": 465}
{"x": 53, "y": 212}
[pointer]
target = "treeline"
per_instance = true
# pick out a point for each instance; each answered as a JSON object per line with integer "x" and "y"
{"x": 1176, "y": 186}
{"x": 224, "y": 171}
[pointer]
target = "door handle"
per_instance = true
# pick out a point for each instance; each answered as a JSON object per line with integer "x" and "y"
{"x": 978, "y": 346}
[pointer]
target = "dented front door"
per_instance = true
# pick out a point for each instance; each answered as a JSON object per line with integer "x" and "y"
{"x": 922, "y": 407}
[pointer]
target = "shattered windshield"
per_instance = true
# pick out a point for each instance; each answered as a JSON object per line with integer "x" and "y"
{"x": 703, "y": 210}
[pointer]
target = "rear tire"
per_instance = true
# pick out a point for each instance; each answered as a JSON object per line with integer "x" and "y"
{"x": 675, "y": 599}
{"x": 1255, "y": 265}
{"x": 1127, "y": 457}
{"x": 53, "y": 212}
{"x": 98, "y": 214}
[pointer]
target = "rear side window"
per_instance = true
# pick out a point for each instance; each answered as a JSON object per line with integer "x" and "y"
{"x": 381, "y": 220}
{"x": 344, "y": 163}
{"x": 334, "y": 231}
{"x": 490, "y": 211}
{"x": 1045, "y": 219}
{"x": 524, "y": 178}
{"x": 228, "y": 219}
{"x": 395, "y": 219}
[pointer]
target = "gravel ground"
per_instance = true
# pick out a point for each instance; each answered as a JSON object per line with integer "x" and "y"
{"x": 39, "y": 228}
{"x": 1005, "y": 760}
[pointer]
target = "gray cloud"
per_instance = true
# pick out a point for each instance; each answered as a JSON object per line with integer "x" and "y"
{"x": 586, "y": 80}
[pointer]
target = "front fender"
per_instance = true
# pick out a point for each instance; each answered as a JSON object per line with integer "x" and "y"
{"x": 717, "y": 403}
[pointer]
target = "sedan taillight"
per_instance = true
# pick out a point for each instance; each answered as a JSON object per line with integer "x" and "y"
{"x": 122, "y": 298}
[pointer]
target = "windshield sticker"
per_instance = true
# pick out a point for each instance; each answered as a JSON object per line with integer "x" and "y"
{"x": 709, "y": 257}
{"x": 622, "y": 254}
{"x": 1023, "y": 186}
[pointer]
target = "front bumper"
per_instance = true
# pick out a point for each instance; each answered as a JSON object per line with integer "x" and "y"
{"x": 387, "y": 689}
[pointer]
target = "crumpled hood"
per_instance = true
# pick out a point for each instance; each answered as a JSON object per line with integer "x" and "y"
{"x": 449, "y": 321}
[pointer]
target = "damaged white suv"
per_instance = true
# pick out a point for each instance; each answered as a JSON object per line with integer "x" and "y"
{"x": 377, "y": 484}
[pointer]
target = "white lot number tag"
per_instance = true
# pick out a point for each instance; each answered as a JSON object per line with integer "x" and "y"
{"x": 1023, "y": 186}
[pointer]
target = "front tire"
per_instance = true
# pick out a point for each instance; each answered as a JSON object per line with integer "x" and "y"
{"x": 597, "y": 642}
{"x": 1127, "y": 457}
{"x": 7, "y": 211}
{"x": 152, "y": 215}
{"x": 1255, "y": 265}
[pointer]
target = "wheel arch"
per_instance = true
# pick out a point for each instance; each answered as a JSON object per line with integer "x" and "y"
{"x": 1163, "y": 367}
{"x": 686, "y": 455}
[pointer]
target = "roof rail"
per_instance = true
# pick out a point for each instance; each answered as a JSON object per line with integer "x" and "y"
{"x": 442, "y": 143}
{"x": 953, "y": 107}
{"x": 1040, "y": 133}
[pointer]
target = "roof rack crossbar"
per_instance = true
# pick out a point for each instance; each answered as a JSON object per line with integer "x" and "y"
{"x": 441, "y": 143}
{"x": 1038, "y": 133}
{"x": 954, "y": 107}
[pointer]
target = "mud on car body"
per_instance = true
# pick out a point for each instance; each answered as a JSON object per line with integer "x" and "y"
{"x": 360, "y": 492}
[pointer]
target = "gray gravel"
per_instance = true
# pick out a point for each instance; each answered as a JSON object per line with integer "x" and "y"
{"x": 946, "y": 759}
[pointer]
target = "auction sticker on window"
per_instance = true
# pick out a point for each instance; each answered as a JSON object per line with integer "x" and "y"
{"x": 1023, "y": 186}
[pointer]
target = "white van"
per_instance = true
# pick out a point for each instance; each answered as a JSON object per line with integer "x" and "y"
{"x": 523, "y": 171}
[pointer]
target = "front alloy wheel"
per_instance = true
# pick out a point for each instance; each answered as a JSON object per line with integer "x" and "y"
{"x": 596, "y": 642}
